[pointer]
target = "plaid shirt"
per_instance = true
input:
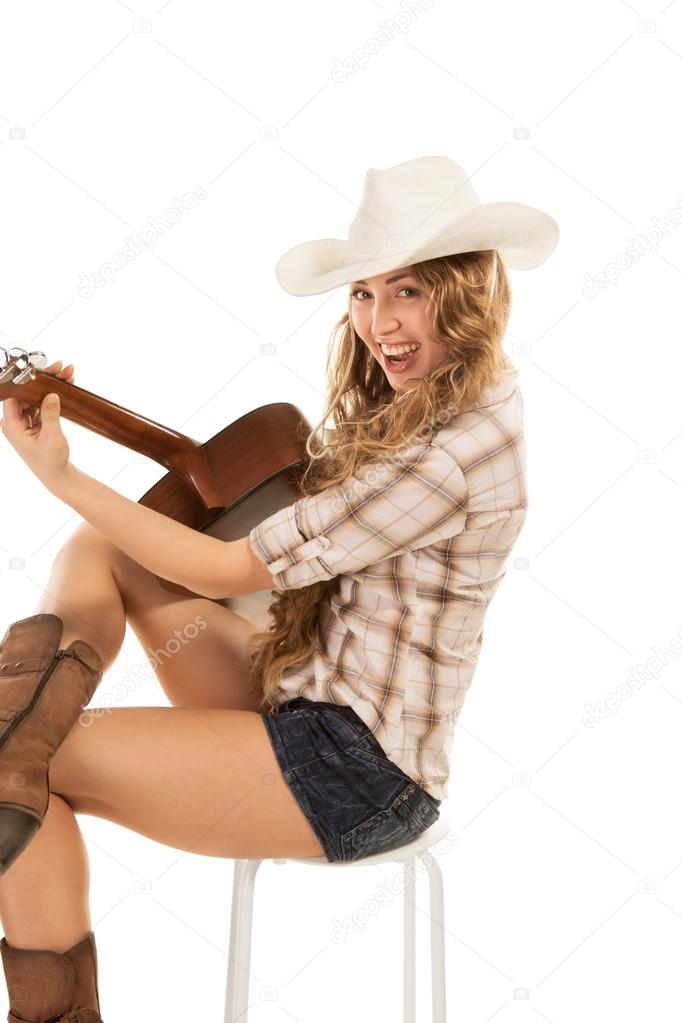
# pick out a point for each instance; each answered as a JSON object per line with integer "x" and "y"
{"x": 418, "y": 544}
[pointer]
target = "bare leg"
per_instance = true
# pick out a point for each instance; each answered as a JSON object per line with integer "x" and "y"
{"x": 44, "y": 894}
{"x": 205, "y": 781}
{"x": 234, "y": 803}
{"x": 83, "y": 591}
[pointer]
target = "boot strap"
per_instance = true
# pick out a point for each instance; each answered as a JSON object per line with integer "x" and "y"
{"x": 29, "y": 664}
{"x": 77, "y": 657}
{"x": 8, "y": 668}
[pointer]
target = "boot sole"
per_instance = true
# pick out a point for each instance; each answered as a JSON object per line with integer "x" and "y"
{"x": 17, "y": 828}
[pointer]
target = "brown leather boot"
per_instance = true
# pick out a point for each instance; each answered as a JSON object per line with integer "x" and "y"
{"x": 45, "y": 986}
{"x": 42, "y": 692}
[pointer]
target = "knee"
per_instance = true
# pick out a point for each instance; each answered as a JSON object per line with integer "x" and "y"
{"x": 85, "y": 534}
{"x": 86, "y": 539}
{"x": 81, "y": 570}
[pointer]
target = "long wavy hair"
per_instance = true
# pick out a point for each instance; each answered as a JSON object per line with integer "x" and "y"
{"x": 469, "y": 301}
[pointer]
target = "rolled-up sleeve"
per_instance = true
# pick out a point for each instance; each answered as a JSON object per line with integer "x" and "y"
{"x": 413, "y": 499}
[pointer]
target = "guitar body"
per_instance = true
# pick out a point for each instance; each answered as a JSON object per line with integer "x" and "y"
{"x": 256, "y": 464}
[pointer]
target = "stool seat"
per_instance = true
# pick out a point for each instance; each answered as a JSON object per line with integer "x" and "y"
{"x": 241, "y": 921}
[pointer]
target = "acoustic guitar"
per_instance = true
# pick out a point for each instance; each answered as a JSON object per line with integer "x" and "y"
{"x": 222, "y": 487}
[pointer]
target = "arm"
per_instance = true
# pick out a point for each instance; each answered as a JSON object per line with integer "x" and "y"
{"x": 416, "y": 497}
{"x": 204, "y": 564}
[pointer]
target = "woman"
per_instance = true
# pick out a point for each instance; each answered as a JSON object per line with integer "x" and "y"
{"x": 329, "y": 734}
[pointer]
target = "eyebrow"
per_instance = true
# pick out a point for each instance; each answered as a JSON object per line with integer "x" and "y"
{"x": 390, "y": 280}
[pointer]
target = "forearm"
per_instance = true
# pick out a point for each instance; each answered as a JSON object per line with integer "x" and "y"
{"x": 160, "y": 544}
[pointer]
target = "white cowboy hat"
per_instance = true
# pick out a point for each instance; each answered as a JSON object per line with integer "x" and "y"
{"x": 413, "y": 211}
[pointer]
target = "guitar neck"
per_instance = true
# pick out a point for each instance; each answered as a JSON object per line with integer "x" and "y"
{"x": 175, "y": 451}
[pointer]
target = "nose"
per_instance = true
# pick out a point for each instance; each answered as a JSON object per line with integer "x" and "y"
{"x": 384, "y": 320}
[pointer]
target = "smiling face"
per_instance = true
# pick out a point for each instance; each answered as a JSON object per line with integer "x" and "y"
{"x": 389, "y": 313}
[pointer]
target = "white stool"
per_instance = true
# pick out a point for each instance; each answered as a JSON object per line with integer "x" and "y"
{"x": 243, "y": 884}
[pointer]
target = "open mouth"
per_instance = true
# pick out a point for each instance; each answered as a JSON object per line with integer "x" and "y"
{"x": 399, "y": 363}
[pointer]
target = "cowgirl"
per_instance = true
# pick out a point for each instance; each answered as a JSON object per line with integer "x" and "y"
{"x": 329, "y": 735}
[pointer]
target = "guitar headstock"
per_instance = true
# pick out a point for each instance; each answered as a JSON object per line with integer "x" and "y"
{"x": 17, "y": 367}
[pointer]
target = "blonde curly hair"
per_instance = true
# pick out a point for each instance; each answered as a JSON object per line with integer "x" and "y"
{"x": 469, "y": 301}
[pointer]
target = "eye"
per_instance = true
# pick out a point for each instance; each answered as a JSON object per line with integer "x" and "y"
{"x": 360, "y": 291}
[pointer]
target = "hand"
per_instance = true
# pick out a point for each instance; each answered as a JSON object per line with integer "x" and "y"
{"x": 65, "y": 374}
{"x": 36, "y": 433}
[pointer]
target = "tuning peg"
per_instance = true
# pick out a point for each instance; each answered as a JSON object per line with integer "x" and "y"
{"x": 26, "y": 362}
{"x": 8, "y": 368}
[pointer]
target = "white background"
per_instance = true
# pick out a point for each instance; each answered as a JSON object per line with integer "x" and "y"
{"x": 562, "y": 876}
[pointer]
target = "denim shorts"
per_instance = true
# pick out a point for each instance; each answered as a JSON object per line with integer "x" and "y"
{"x": 356, "y": 799}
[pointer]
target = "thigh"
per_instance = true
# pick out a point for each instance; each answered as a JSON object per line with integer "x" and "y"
{"x": 202, "y": 780}
{"x": 197, "y": 647}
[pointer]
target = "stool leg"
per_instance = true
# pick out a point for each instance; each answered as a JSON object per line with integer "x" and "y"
{"x": 239, "y": 955}
{"x": 409, "y": 941}
{"x": 437, "y": 911}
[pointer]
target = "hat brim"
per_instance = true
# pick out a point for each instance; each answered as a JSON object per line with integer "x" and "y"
{"x": 523, "y": 235}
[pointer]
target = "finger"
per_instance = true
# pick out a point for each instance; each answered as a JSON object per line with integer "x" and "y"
{"x": 65, "y": 372}
{"x": 49, "y": 414}
{"x": 11, "y": 413}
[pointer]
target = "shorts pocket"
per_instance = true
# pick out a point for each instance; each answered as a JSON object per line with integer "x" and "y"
{"x": 369, "y": 750}
{"x": 388, "y": 829}
{"x": 337, "y": 718}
